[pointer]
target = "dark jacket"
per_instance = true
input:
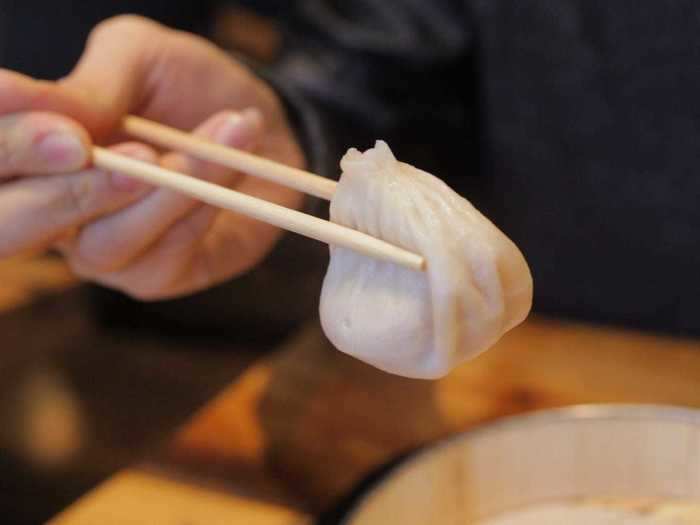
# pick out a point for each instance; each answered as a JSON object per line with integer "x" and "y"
{"x": 574, "y": 124}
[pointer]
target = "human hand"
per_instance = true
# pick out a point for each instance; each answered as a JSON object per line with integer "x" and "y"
{"x": 150, "y": 243}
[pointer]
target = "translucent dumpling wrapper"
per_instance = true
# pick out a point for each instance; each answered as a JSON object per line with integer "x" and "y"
{"x": 418, "y": 324}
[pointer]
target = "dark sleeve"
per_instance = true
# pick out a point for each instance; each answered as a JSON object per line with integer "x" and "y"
{"x": 354, "y": 72}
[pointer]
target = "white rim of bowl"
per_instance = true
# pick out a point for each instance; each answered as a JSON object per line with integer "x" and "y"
{"x": 602, "y": 412}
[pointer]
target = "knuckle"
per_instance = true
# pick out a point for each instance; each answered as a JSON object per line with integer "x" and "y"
{"x": 98, "y": 247}
{"x": 80, "y": 195}
{"x": 118, "y": 26}
{"x": 100, "y": 260}
{"x": 165, "y": 280}
{"x": 85, "y": 269}
{"x": 106, "y": 249}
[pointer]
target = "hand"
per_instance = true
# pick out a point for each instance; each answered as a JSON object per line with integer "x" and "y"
{"x": 150, "y": 243}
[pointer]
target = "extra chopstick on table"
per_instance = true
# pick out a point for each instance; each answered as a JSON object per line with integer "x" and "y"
{"x": 248, "y": 163}
{"x": 292, "y": 220}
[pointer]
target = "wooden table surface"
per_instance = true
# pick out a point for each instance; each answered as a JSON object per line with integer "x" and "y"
{"x": 303, "y": 425}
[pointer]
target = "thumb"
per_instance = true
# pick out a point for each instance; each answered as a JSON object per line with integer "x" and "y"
{"x": 108, "y": 82}
{"x": 20, "y": 93}
{"x": 113, "y": 70}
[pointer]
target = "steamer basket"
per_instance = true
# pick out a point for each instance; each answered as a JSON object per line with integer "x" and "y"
{"x": 603, "y": 451}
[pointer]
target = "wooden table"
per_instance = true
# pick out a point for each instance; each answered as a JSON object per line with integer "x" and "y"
{"x": 301, "y": 426}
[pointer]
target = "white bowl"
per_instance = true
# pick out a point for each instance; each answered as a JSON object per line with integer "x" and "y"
{"x": 597, "y": 451}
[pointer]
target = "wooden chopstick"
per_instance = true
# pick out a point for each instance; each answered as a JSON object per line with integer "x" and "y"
{"x": 292, "y": 220}
{"x": 248, "y": 163}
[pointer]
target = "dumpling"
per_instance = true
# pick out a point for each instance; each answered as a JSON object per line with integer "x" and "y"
{"x": 418, "y": 324}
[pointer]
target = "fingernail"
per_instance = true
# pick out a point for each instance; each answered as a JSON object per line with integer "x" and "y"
{"x": 252, "y": 114}
{"x": 229, "y": 131}
{"x": 239, "y": 130}
{"x": 62, "y": 150}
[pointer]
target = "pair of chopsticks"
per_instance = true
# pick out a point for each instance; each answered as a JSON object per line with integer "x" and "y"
{"x": 285, "y": 218}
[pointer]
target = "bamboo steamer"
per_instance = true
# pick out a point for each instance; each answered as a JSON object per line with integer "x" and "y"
{"x": 611, "y": 452}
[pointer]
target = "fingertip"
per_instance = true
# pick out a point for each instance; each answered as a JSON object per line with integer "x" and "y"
{"x": 62, "y": 151}
{"x": 254, "y": 124}
{"x": 45, "y": 142}
{"x": 254, "y": 117}
{"x": 234, "y": 128}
